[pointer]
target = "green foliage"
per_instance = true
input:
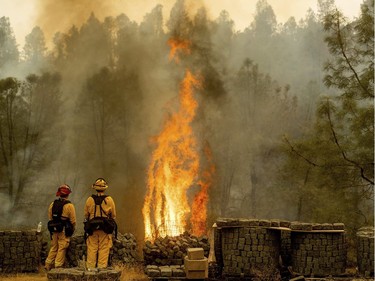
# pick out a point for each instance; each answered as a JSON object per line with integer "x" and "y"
{"x": 28, "y": 110}
{"x": 9, "y": 53}
{"x": 35, "y": 46}
{"x": 337, "y": 174}
{"x": 264, "y": 23}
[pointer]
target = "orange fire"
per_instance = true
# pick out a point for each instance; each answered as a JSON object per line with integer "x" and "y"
{"x": 199, "y": 206}
{"x": 178, "y": 45}
{"x": 175, "y": 168}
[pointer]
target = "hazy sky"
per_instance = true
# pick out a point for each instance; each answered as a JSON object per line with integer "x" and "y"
{"x": 57, "y": 15}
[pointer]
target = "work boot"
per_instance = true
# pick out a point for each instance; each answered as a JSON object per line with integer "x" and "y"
{"x": 48, "y": 267}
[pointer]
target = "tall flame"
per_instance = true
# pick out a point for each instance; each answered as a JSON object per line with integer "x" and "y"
{"x": 175, "y": 165}
{"x": 199, "y": 206}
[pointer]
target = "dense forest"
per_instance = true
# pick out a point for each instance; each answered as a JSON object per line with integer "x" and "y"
{"x": 286, "y": 109}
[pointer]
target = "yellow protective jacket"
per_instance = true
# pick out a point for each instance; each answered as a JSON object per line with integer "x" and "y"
{"x": 68, "y": 212}
{"x": 108, "y": 206}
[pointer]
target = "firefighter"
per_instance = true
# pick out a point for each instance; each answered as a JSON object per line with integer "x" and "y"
{"x": 62, "y": 221}
{"x": 100, "y": 214}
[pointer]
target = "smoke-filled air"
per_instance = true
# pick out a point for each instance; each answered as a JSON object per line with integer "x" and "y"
{"x": 187, "y": 118}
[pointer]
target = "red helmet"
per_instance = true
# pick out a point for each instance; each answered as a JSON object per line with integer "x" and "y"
{"x": 63, "y": 190}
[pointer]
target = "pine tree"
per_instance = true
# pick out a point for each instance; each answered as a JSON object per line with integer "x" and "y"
{"x": 9, "y": 54}
{"x": 336, "y": 157}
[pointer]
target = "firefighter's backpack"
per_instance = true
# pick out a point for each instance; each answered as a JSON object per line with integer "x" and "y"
{"x": 105, "y": 223}
{"x": 57, "y": 224}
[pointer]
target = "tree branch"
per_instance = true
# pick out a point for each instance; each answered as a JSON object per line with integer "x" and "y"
{"x": 343, "y": 152}
{"x": 300, "y": 155}
{"x": 342, "y": 49}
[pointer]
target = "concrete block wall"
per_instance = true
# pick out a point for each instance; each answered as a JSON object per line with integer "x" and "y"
{"x": 365, "y": 251}
{"x": 20, "y": 251}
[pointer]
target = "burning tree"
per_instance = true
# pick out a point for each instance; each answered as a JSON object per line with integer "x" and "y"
{"x": 175, "y": 167}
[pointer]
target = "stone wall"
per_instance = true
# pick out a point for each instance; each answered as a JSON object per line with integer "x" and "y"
{"x": 365, "y": 251}
{"x": 123, "y": 250}
{"x": 20, "y": 251}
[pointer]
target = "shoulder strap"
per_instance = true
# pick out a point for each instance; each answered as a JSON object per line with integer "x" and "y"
{"x": 98, "y": 199}
{"x": 57, "y": 208}
{"x": 98, "y": 202}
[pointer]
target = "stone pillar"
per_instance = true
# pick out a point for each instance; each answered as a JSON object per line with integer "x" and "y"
{"x": 318, "y": 250}
{"x": 365, "y": 251}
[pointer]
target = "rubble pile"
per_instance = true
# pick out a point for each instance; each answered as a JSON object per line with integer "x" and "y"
{"x": 365, "y": 251}
{"x": 20, "y": 251}
{"x": 123, "y": 250}
{"x": 172, "y": 250}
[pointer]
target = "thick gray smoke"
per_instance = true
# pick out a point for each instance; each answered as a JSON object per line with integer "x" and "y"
{"x": 117, "y": 85}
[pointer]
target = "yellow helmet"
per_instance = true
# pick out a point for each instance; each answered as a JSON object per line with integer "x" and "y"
{"x": 100, "y": 184}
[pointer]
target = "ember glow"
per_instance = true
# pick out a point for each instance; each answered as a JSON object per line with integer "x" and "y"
{"x": 175, "y": 167}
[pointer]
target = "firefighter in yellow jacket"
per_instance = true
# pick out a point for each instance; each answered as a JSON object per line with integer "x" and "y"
{"x": 100, "y": 213}
{"x": 62, "y": 221}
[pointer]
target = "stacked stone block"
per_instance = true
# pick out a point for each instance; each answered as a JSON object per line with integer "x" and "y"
{"x": 172, "y": 250}
{"x": 123, "y": 250}
{"x": 365, "y": 251}
{"x": 318, "y": 249}
{"x": 80, "y": 274}
{"x": 20, "y": 251}
{"x": 248, "y": 246}
{"x": 196, "y": 264}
